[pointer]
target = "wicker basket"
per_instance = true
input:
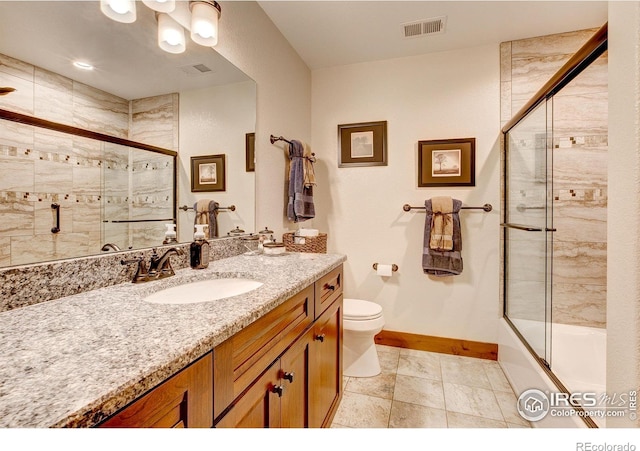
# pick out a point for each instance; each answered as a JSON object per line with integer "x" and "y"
{"x": 317, "y": 244}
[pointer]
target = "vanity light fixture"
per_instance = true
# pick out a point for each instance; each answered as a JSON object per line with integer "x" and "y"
{"x": 200, "y": 17}
{"x": 82, "y": 65}
{"x": 119, "y": 10}
{"x": 161, "y": 6}
{"x": 204, "y": 21}
{"x": 170, "y": 34}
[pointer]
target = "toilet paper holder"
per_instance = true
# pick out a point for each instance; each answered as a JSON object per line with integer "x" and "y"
{"x": 394, "y": 267}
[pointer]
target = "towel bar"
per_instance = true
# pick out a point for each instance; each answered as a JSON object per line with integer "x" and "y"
{"x": 230, "y": 207}
{"x": 273, "y": 139}
{"x": 485, "y": 207}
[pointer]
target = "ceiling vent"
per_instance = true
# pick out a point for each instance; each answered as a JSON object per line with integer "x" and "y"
{"x": 435, "y": 25}
{"x": 195, "y": 69}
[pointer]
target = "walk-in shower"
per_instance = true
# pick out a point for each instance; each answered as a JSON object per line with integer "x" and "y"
{"x": 554, "y": 230}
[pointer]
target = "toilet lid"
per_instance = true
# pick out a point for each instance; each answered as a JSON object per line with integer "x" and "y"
{"x": 359, "y": 310}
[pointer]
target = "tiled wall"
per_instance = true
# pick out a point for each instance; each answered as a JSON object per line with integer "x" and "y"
{"x": 580, "y": 144}
{"x": 40, "y": 167}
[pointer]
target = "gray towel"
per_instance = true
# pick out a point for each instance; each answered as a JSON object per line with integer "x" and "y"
{"x": 300, "y": 206}
{"x": 442, "y": 263}
{"x": 211, "y": 219}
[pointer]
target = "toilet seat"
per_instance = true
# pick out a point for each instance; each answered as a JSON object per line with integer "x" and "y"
{"x": 360, "y": 310}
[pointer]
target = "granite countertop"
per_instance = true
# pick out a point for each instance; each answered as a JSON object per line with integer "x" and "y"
{"x": 74, "y": 361}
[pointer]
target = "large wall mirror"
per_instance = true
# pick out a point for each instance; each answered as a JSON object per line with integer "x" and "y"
{"x": 195, "y": 103}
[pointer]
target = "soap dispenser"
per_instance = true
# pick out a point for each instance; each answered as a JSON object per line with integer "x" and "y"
{"x": 199, "y": 251}
{"x": 170, "y": 234}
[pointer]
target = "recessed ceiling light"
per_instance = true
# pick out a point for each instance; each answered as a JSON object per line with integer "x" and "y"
{"x": 83, "y": 65}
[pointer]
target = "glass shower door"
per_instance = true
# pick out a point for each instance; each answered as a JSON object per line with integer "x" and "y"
{"x": 528, "y": 249}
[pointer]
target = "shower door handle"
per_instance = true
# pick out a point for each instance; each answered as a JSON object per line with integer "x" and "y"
{"x": 526, "y": 228}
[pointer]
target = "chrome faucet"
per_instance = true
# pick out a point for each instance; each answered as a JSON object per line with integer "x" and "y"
{"x": 159, "y": 266}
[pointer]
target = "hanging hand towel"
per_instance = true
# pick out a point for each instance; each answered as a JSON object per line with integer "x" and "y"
{"x": 300, "y": 206}
{"x": 441, "y": 224}
{"x": 309, "y": 172}
{"x": 437, "y": 262}
{"x": 207, "y": 213}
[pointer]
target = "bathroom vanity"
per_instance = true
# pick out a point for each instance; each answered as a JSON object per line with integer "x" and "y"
{"x": 269, "y": 357}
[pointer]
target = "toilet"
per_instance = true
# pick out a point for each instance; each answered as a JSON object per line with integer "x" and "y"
{"x": 362, "y": 320}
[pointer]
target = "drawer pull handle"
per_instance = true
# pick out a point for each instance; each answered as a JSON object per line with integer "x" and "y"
{"x": 330, "y": 287}
{"x": 277, "y": 389}
{"x": 320, "y": 338}
{"x": 288, "y": 376}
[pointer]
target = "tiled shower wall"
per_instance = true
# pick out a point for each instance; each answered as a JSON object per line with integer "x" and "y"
{"x": 40, "y": 167}
{"x": 580, "y": 143}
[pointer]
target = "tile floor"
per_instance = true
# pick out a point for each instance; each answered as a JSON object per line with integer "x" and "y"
{"x": 419, "y": 389}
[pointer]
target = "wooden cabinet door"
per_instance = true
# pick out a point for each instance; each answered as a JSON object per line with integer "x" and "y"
{"x": 325, "y": 373}
{"x": 184, "y": 400}
{"x": 259, "y": 406}
{"x": 243, "y": 357}
{"x": 294, "y": 374}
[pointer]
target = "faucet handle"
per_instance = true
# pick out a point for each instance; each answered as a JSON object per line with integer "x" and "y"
{"x": 141, "y": 274}
{"x": 131, "y": 261}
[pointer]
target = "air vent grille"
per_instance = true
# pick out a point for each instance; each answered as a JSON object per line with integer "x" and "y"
{"x": 202, "y": 68}
{"x": 195, "y": 69}
{"x": 425, "y": 27}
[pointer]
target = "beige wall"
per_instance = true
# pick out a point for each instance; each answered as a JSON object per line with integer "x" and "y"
{"x": 436, "y": 96}
{"x": 623, "y": 235}
{"x": 251, "y": 42}
{"x": 215, "y": 121}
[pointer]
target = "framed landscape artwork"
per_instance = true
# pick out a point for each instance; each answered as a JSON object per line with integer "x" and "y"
{"x": 447, "y": 162}
{"x": 208, "y": 173}
{"x": 362, "y": 144}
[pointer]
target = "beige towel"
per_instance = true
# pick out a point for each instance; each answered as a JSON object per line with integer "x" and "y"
{"x": 202, "y": 214}
{"x": 442, "y": 224}
{"x": 309, "y": 159}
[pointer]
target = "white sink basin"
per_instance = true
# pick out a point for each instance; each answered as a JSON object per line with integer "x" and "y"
{"x": 203, "y": 291}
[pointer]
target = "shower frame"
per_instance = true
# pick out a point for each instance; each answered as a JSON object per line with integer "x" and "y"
{"x": 586, "y": 55}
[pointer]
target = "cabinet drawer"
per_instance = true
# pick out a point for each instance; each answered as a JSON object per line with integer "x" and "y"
{"x": 328, "y": 288}
{"x": 239, "y": 360}
{"x": 184, "y": 400}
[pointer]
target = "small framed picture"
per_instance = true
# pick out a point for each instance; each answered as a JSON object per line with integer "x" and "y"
{"x": 250, "y": 141}
{"x": 362, "y": 144}
{"x": 447, "y": 162}
{"x": 208, "y": 173}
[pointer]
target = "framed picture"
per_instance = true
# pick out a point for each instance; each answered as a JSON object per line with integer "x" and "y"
{"x": 363, "y": 144}
{"x": 250, "y": 143}
{"x": 208, "y": 173}
{"x": 447, "y": 162}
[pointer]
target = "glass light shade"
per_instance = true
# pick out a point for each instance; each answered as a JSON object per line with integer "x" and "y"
{"x": 204, "y": 24}
{"x": 162, "y": 6}
{"x": 170, "y": 35}
{"x": 119, "y": 10}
